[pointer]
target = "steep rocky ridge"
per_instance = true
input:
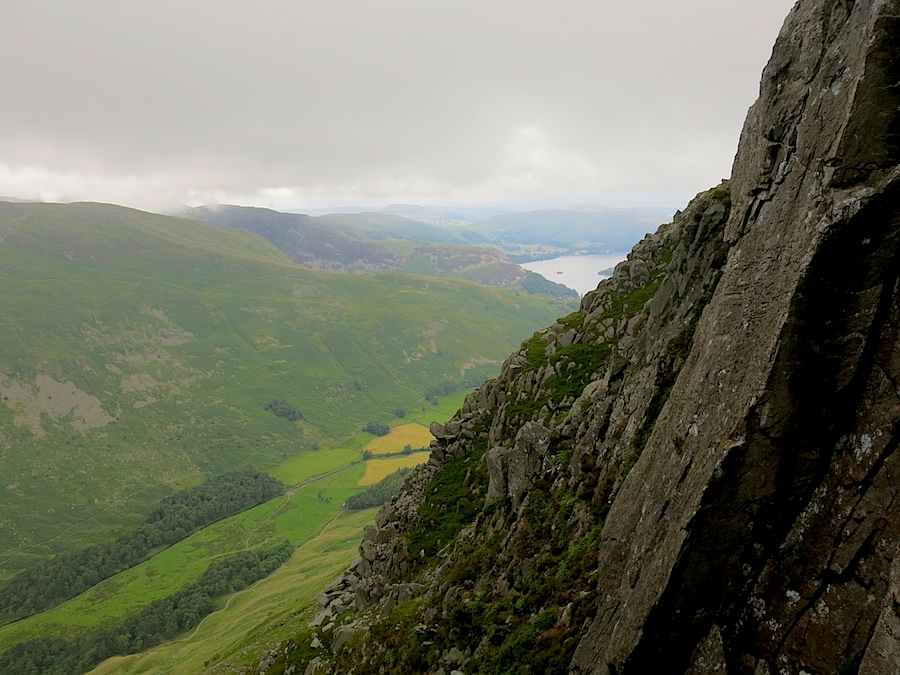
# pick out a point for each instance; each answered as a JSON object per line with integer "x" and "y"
{"x": 695, "y": 472}
{"x": 520, "y": 480}
{"x": 786, "y": 411}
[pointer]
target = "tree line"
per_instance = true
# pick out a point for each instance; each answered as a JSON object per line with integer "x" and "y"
{"x": 175, "y": 517}
{"x": 451, "y": 387}
{"x": 159, "y": 621}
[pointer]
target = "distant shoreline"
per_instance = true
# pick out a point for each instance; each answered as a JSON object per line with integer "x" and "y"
{"x": 581, "y": 273}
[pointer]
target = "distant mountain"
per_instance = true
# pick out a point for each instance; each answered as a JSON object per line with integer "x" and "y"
{"x": 543, "y": 233}
{"x": 306, "y": 241}
{"x": 140, "y": 352}
{"x": 372, "y": 243}
{"x": 16, "y": 200}
{"x": 456, "y": 215}
{"x": 662, "y": 213}
{"x": 373, "y": 226}
{"x": 476, "y": 263}
{"x": 547, "y": 233}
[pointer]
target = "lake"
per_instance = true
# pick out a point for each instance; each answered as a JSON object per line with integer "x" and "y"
{"x": 578, "y": 272}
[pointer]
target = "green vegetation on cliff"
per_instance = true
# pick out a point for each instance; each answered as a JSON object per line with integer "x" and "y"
{"x": 483, "y": 563}
{"x": 379, "y": 493}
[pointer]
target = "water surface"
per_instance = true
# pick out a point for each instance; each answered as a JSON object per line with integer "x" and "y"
{"x": 578, "y": 272}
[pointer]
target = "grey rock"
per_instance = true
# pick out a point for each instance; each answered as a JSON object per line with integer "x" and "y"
{"x": 453, "y": 656}
{"x": 343, "y": 635}
{"x": 742, "y": 399}
{"x": 639, "y": 271}
{"x": 709, "y": 657}
{"x": 369, "y": 550}
{"x": 321, "y": 618}
{"x": 495, "y": 460}
{"x": 524, "y": 462}
{"x": 313, "y": 667}
{"x": 883, "y": 651}
{"x": 408, "y": 591}
{"x": 567, "y": 338}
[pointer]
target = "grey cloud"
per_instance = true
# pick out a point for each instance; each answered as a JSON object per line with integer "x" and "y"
{"x": 322, "y": 100}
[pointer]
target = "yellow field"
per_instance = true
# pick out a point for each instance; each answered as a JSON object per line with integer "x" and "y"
{"x": 407, "y": 434}
{"x": 376, "y": 469}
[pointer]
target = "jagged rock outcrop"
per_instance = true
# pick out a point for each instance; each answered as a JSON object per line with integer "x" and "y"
{"x": 772, "y": 470}
{"x": 565, "y": 420}
{"x": 695, "y": 472}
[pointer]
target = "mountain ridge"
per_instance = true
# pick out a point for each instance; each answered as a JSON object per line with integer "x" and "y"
{"x": 378, "y": 243}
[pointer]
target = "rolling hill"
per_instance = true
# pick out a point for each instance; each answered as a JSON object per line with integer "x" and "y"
{"x": 304, "y": 240}
{"x": 542, "y": 233}
{"x": 372, "y": 226}
{"x": 141, "y": 352}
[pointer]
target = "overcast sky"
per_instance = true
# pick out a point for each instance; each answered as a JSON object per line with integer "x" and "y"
{"x": 317, "y": 103}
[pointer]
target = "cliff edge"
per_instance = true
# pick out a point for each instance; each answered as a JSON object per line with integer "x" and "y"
{"x": 695, "y": 472}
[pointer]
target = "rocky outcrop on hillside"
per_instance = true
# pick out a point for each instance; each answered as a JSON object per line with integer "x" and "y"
{"x": 695, "y": 472}
{"x": 535, "y": 457}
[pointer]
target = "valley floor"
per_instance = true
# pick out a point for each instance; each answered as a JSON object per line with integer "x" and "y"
{"x": 250, "y": 622}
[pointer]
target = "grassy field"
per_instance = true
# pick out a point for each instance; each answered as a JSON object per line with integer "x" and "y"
{"x": 414, "y": 435}
{"x": 320, "y": 462}
{"x": 295, "y": 516}
{"x": 258, "y": 619}
{"x": 308, "y": 514}
{"x": 140, "y": 352}
{"x": 445, "y": 408}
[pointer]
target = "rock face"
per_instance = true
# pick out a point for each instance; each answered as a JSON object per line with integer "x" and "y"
{"x": 696, "y": 472}
{"x": 772, "y": 471}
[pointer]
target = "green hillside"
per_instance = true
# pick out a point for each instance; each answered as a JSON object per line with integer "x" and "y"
{"x": 141, "y": 351}
{"x": 254, "y": 619}
{"x": 304, "y": 240}
{"x": 369, "y": 226}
